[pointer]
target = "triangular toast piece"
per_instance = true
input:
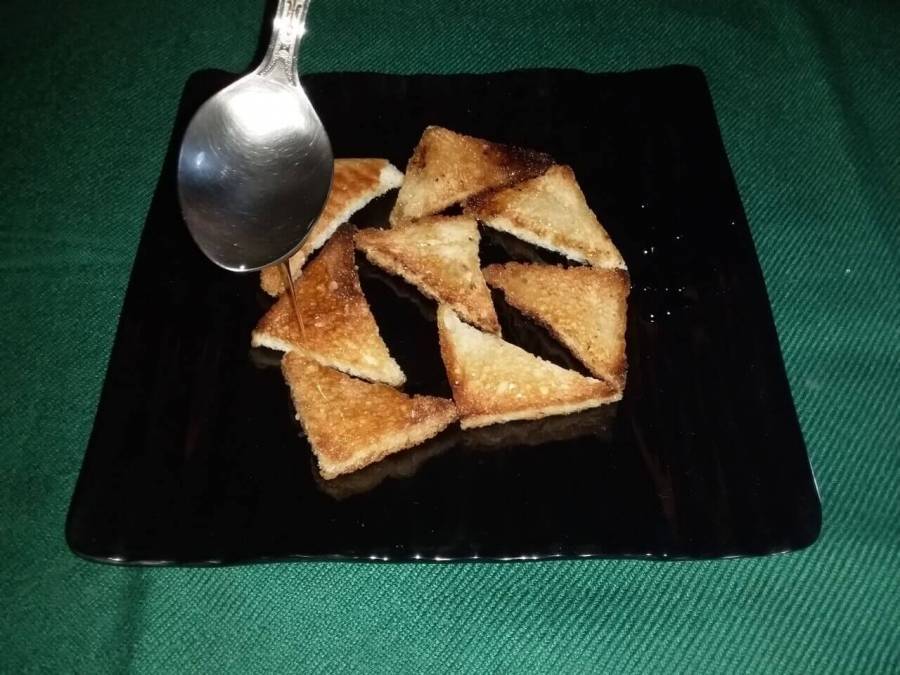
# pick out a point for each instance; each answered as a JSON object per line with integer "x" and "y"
{"x": 338, "y": 327}
{"x": 583, "y": 307}
{"x": 447, "y": 168}
{"x": 351, "y": 423}
{"x": 439, "y": 256}
{"x": 356, "y": 182}
{"x": 549, "y": 211}
{"x": 494, "y": 381}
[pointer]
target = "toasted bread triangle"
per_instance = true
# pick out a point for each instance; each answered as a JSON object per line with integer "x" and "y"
{"x": 549, "y": 211}
{"x": 494, "y": 381}
{"x": 351, "y": 423}
{"x": 438, "y": 255}
{"x": 338, "y": 327}
{"x": 447, "y": 168}
{"x": 584, "y": 307}
{"x": 356, "y": 182}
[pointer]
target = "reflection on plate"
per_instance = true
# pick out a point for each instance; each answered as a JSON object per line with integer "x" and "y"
{"x": 403, "y": 464}
{"x": 263, "y": 357}
{"x": 596, "y": 423}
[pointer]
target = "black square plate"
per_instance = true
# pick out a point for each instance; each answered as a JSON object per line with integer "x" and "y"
{"x": 195, "y": 456}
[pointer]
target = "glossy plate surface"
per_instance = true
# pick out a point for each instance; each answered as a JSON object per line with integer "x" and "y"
{"x": 195, "y": 456}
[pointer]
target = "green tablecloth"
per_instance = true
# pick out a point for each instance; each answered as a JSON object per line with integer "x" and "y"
{"x": 808, "y": 94}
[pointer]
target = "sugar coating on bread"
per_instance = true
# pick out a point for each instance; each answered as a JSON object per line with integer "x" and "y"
{"x": 495, "y": 381}
{"x": 356, "y": 182}
{"x": 338, "y": 327}
{"x": 583, "y": 307}
{"x": 438, "y": 255}
{"x": 351, "y": 423}
{"x": 549, "y": 211}
{"x": 447, "y": 168}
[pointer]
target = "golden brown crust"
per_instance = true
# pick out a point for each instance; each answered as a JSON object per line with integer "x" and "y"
{"x": 549, "y": 211}
{"x": 338, "y": 327}
{"x": 438, "y": 255}
{"x": 583, "y": 307}
{"x": 351, "y": 423}
{"x": 446, "y": 168}
{"x": 495, "y": 381}
{"x": 356, "y": 182}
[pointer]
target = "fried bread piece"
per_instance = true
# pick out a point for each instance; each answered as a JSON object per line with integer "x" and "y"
{"x": 549, "y": 211}
{"x": 351, "y": 423}
{"x": 494, "y": 381}
{"x": 438, "y": 255}
{"x": 447, "y": 168}
{"x": 356, "y": 182}
{"x": 583, "y": 307}
{"x": 338, "y": 327}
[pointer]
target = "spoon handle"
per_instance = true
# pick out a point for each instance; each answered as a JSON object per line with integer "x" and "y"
{"x": 280, "y": 62}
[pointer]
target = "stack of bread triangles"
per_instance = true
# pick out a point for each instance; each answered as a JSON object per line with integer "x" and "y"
{"x": 344, "y": 383}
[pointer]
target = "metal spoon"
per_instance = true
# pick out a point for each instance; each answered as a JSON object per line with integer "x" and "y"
{"x": 255, "y": 165}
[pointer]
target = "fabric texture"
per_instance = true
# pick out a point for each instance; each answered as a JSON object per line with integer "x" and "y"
{"x": 807, "y": 94}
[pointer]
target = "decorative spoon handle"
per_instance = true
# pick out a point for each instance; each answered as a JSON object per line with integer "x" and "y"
{"x": 280, "y": 62}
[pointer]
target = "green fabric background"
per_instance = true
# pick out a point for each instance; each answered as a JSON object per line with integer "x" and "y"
{"x": 808, "y": 95}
